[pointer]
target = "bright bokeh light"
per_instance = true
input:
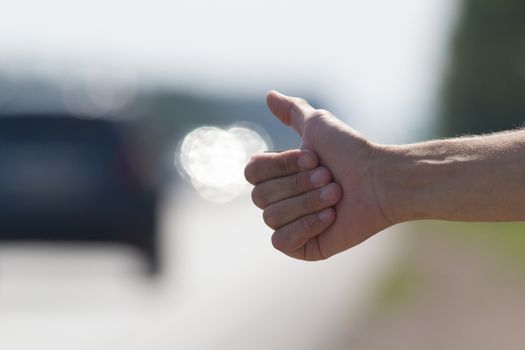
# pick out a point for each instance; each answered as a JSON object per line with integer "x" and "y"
{"x": 213, "y": 160}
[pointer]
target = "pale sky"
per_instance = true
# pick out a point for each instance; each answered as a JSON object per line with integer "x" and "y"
{"x": 375, "y": 62}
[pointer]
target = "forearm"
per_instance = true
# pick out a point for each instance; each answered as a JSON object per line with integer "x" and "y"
{"x": 468, "y": 179}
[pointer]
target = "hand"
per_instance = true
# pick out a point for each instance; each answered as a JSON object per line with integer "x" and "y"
{"x": 353, "y": 163}
{"x": 296, "y": 195}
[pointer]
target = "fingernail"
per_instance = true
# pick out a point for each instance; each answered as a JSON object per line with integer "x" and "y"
{"x": 318, "y": 177}
{"x": 306, "y": 161}
{"x": 327, "y": 193}
{"x": 325, "y": 215}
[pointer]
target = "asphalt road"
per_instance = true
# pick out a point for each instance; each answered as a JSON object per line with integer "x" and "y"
{"x": 224, "y": 286}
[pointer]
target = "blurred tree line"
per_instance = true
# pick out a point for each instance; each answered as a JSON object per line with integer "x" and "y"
{"x": 485, "y": 86}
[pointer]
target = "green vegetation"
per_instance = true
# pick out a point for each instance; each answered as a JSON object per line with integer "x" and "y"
{"x": 484, "y": 92}
{"x": 399, "y": 287}
{"x": 408, "y": 280}
{"x": 505, "y": 238}
{"x": 485, "y": 86}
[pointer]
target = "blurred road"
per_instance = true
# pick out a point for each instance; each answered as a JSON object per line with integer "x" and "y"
{"x": 224, "y": 286}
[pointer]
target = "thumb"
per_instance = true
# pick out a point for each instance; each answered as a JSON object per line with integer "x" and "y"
{"x": 291, "y": 111}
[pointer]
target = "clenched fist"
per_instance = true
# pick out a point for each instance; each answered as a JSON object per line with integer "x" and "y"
{"x": 323, "y": 198}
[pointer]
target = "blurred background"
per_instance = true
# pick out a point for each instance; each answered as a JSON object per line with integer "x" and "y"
{"x": 125, "y": 221}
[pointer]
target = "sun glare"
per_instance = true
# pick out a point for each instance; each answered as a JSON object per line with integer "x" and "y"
{"x": 213, "y": 160}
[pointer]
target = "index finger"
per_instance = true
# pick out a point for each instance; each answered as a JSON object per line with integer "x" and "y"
{"x": 270, "y": 165}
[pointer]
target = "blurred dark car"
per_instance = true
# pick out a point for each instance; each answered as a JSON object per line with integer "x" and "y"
{"x": 74, "y": 180}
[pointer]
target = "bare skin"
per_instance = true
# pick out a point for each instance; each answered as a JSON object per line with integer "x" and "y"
{"x": 480, "y": 178}
{"x": 349, "y": 157}
{"x": 362, "y": 187}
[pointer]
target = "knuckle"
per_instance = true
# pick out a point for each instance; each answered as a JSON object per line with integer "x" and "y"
{"x": 321, "y": 113}
{"x": 299, "y": 101}
{"x": 285, "y": 164}
{"x": 269, "y": 218}
{"x": 249, "y": 175}
{"x": 258, "y": 197}
{"x": 250, "y": 171}
{"x": 277, "y": 241}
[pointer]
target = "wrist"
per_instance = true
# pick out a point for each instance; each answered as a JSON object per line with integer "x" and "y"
{"x": 394, "y": 187}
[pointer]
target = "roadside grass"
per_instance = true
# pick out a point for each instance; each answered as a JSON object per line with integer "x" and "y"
{"x": 507, "y": 239}
{"x": 398, "y": 287}
{"x": 405, "y": 280}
